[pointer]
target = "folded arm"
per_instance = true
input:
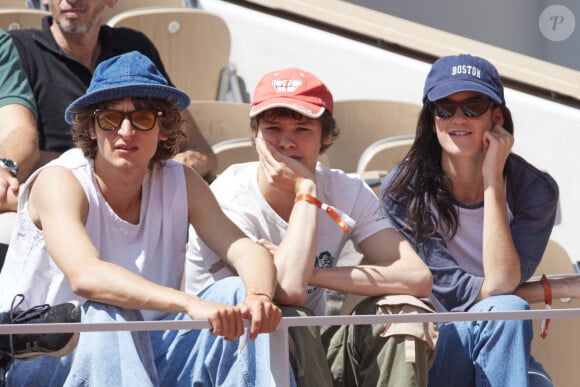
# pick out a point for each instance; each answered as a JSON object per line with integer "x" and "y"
{"x": 58, "y": 206}
{"x": 390, "y": 266}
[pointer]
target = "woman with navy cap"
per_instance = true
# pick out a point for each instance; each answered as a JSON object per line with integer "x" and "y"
{"x": 106, "y": 224}
{"x": 480, "y": 217}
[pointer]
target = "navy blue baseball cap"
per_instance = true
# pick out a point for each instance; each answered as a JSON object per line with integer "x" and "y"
{"x": 456, "y": 73}
{"x": 130, "y": 75}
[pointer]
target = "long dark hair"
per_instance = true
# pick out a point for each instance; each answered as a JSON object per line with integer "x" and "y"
{"x": 420, "y": 176}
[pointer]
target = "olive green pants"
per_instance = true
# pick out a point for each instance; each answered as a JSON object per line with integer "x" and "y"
{"x": 361, "y": 355}
{"x": 307, "y": 355}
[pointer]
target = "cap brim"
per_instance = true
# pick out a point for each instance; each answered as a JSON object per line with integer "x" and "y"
{"x": 446, "y": 89}
{"x": 130, "y": 91}
{"x": 306, "y": 109}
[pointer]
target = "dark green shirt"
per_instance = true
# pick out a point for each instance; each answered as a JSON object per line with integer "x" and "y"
{"x": 14, "y": 87}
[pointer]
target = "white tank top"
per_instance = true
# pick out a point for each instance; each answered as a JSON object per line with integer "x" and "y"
{"x": 154, "y": 248}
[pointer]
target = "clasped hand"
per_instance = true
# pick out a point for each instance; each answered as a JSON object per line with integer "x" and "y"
{"x": 227, "y": 320}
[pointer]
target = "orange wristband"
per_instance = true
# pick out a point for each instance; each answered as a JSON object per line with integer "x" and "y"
{"x": 343, "y": 220}
{"x": 548, "y": 301}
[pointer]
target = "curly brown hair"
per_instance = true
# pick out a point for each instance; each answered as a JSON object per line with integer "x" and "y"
{"x": 326, "y": 120}
{"x": 169, "y": 124}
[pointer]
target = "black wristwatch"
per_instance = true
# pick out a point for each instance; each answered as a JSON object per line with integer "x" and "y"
{"x": 9, "y": 165}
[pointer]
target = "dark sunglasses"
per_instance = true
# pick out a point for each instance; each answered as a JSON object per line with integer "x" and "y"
{"x": 472, "y": 107}
{"x": 109, "y": 119}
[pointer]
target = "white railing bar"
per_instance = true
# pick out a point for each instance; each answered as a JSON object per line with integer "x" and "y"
{"x": 161, "y": 325}
{"x": 279, "y": 357}
{"x": 430, "y": 317}
{"x": 292, "y": 321}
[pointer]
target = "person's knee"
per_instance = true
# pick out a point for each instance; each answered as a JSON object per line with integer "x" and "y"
{"x": 507, "y": 302}
{"x": 504, "y": 302}
{"x": 229, "y": 290}
{"x": 100, "y": 312}
{"x": 234, "y": 283}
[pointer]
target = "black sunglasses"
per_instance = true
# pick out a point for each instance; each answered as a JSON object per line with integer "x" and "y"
{"x": 109, "y": 119}
{"x": 472, "y": 107}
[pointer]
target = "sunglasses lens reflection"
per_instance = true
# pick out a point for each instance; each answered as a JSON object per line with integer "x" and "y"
{"x": 470, "y": 107}
{"x": 143, "y": 119}
{"x": 112, "y": 119}
{"x": 109, "y": 120}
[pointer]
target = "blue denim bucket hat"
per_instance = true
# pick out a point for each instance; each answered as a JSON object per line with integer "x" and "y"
{"x": 455, "y": 73}
{"x": 130, "y": 75}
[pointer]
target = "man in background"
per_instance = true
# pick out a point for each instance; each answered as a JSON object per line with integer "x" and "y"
{"x": 59, "y": 61}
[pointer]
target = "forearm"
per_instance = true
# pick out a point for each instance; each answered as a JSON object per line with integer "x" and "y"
{"x": 19, "y": 143}
{"x": 255, "y": 268}
{"x": 108, "y": 283}
{"x": 565, "y": 287}
{"x": 372, "y": 280}
{"x": 19, "y": 138}
{"x": 294, "y": 257}
{"x": 390, "y": 265}
{"x": 113, "y": 285}
{"x": 501, "y": 262}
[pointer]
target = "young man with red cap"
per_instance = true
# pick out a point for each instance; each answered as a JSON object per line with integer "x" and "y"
{"x": 304, "y": 213}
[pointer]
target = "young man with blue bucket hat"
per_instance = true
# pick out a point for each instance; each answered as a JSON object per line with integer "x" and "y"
{"x": 106, "y": 225}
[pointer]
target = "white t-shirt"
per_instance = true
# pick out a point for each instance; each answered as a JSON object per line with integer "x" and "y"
{"x": 237, "y": 191}
{"x": 467, "y": 244}
{"x": 153, "y": 249}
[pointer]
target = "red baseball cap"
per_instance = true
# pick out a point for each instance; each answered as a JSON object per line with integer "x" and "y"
{"x": 294, "y": 89}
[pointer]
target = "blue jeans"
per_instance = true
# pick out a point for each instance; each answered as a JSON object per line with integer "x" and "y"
{"x": 156, "y": 358}
{"x": 487, "y": 353}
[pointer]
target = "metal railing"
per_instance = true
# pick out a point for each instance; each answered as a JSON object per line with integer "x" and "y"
{"x": 279, "y": 359}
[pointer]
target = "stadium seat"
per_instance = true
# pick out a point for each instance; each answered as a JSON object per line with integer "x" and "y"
{"x": 193, "y": 44}
{"x": 126, "y": 5}
{"x": 20, "y": 18}
{"x": 14, "y": 4}
{"x": 226, "y": 127}
{"x": 382, "y": 156}
{"x": 362, "y": 122}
